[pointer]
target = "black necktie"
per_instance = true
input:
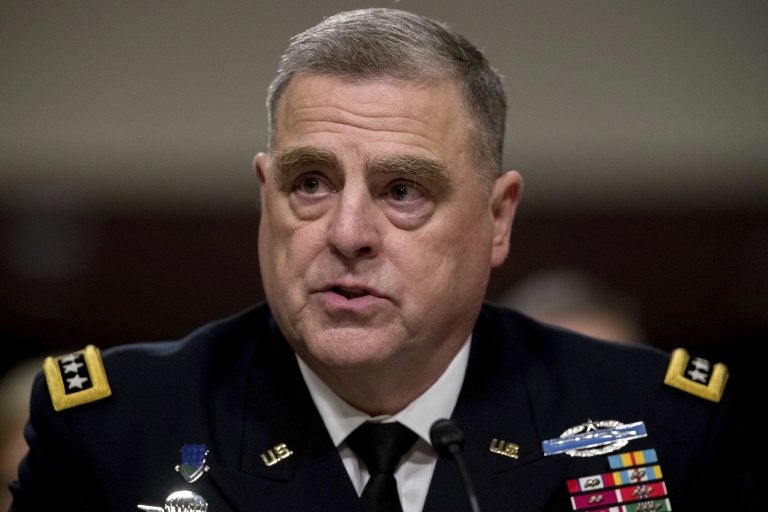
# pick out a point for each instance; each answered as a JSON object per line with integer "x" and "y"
{"x": 380, "y": 446}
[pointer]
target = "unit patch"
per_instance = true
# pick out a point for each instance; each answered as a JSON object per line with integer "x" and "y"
{"x": 696, "y": 376}
{"x": 193, "y": 465}
{"x": 77, "y": 378}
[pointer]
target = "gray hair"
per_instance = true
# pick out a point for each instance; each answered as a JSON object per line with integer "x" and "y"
{"x": 379, "y": 42}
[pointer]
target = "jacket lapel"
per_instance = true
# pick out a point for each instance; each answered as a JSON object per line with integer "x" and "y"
{"x": 287, "y": 458}
{"x": 502, "y": 447}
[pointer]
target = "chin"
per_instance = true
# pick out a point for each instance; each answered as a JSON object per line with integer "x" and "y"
{"x": 342, "y": 353}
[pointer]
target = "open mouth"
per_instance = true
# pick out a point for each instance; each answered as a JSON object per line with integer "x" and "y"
{"x": 349, "y": 293}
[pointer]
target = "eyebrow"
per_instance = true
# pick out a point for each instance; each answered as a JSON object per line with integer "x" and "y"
{"x": 292, "y": 160}
{"x": 422, "y": 169}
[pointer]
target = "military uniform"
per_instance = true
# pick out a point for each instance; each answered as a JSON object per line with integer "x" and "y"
{"x": 232, "y": 395}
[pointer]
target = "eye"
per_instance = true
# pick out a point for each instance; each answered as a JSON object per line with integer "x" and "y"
{"x": 311, "y": 184}
{"x": 407, "y": 203}
{"x": 405, "y": 191}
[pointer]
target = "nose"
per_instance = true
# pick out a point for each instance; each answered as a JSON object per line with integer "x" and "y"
{"x": 354, "y": 232}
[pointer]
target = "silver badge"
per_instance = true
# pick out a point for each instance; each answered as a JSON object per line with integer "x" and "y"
{"x": 179, "y": 501}
{"x": 594, "y": 438}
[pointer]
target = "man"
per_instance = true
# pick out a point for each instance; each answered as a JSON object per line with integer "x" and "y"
{"x": 383, "y": 212}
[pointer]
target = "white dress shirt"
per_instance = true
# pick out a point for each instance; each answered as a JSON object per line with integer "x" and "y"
{"x": 414, "y": 473}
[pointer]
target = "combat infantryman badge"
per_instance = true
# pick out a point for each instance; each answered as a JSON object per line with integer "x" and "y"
{"x": 594, "y": 438}
{"x": 77, "y": 378}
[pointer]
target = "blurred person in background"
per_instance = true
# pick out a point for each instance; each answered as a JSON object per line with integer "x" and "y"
{"x": 15, "y": 387}
{"x": 578, "y": 300}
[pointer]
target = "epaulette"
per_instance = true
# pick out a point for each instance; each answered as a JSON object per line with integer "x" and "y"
{"x": 77, "y": 378}
{"x": 696, "y": 376}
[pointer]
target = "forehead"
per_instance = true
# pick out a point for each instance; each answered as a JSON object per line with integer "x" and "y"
{"x": 425, "y": 117}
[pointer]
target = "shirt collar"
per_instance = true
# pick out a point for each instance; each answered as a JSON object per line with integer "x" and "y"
{"x": 435, "y": 403}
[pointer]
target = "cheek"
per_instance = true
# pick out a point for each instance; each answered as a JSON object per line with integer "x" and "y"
{"x": 459, "y": 252}
{"x": 275, "y": 239}
{"x": 466, "y": 232}
{"x": 278, "y": 223}
{"x": 288, "y": 246}
{"x": 448, "y": 256}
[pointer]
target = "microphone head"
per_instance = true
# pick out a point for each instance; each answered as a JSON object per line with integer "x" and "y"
{"x": 446, "y": 436}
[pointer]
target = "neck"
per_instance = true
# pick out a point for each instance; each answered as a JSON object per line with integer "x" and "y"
{"x": 384, "y": 388}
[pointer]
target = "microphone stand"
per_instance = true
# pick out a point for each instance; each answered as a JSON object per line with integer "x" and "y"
{"x": 448, "y": 439}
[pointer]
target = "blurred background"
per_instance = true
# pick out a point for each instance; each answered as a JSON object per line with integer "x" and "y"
{"x": 128, "y": 206}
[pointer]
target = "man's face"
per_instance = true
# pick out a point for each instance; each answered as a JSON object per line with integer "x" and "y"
{"x": 377, "y": 234}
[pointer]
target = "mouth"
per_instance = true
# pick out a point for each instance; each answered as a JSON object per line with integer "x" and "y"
{"x": 349, "y": 293}
{"x": 347, "y": 297}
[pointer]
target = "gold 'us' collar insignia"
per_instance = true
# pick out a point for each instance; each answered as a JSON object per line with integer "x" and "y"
{"x": 77, "y": 378}
{"x": 505, "y": 448}
{"x": 696, "y": 376}
{"x": 276, "y": 454}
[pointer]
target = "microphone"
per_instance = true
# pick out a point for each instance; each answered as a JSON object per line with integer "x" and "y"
{"x": 448, "y": 440}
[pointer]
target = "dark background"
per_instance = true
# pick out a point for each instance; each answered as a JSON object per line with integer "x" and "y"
{"x": 700, "y": 277}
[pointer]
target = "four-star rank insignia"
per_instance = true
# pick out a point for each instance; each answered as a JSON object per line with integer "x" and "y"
{"x": 696, "y": 376}
{"x": 77, "y": 378}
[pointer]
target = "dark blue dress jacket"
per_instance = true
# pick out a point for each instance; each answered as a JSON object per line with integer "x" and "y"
{"x": 234, "y": 386}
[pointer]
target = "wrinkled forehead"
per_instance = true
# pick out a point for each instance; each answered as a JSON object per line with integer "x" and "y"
{"x": 430, "y": 108}
{"x": 425, "y": 80}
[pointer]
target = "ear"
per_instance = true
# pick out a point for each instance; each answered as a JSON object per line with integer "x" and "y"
{"x": 260, "y": 162}
{"x": 505, "y": 197}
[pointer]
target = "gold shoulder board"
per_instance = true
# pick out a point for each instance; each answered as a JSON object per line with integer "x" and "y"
{"x": 696, "y": 376}
{"x": 77, "y": 378}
